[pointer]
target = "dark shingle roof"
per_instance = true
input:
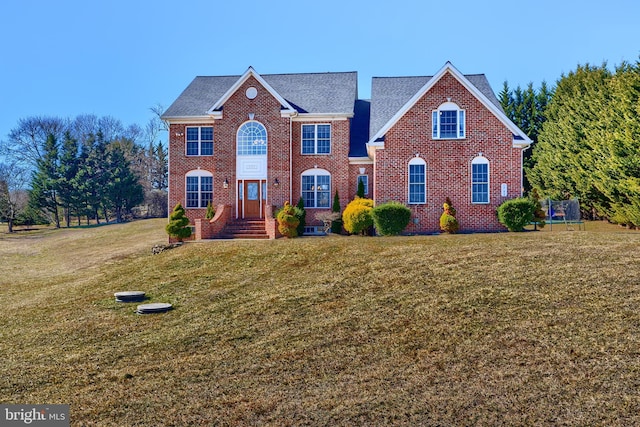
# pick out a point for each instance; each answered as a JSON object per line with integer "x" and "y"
{"x": 390, "y": 94}
{"x": 328, "y": 93}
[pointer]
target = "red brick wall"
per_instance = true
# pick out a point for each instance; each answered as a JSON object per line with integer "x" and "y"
{"x": 449, "y": 161}
{"x": 337, "y": 163}
{"x": 222, "y": 164}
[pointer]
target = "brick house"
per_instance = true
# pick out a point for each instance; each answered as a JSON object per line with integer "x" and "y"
{"x": 249, "y": 143}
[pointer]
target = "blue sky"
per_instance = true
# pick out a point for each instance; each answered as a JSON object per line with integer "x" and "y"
{"x": 121, "y": 57}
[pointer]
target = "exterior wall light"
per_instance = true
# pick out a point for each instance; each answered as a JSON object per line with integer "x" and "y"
{"x": 225, "y": 184}
{"x": 276, "y": 183}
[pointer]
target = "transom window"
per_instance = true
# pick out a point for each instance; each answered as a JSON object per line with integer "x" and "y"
{"x": 480, "y": 180}
{"x": 316, "y": 139}
{"x": 448, "y": 122}
{"x": 316, "y": 188}
{"x": 199, "y": 189}
{"x": 417, "y": 181}
{"x": 252, "y": 139}
{"x": 200, "y": 141}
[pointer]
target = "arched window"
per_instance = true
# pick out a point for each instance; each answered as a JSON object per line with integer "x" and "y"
{"x": 448, "y": 122}
{"x": 417, "y": 181}
{"x": 199, "y": 188}
{"x": 252, "y": 139}
{"x": 316, "y": 188}
{"x": 480, "y": 180}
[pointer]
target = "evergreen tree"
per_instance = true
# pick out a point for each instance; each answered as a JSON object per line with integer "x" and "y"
{"x": 301, "y": 214}
{"x": 43, "y": 194}
{"x": 67, "y": 191}
{"x": 360, "y": 192}
{"x": 564, "y": 162}
{"x": 178, "y": 226}
{"x": 122, "y": 191}
{"x": 615, "y": 146}
{"x": 336, "y": 226}
{"x": 526, "y": 108}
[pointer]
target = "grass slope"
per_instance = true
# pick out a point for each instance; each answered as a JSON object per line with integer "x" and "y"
{"x": 488, "y": 329}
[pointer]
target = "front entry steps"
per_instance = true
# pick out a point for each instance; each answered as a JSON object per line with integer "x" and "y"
{"x": 245, "y": 229}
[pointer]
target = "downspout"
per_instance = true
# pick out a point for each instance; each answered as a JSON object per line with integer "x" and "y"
{"x": 295, "y": 114}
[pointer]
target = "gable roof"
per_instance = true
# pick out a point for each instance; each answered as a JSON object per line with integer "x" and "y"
{"x": 392, "y": 97}
{"x": 308, "y": 93}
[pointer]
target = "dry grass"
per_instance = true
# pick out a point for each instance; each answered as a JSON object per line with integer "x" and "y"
{"x": 500, "y": 329}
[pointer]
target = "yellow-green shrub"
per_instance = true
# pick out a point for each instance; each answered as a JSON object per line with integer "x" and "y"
{"x": 287, "y": 221}
{"x": 448, "y": 221}
{"x": 356, "y": 218}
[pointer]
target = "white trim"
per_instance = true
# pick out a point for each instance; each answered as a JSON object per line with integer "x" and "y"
{"x": 315, "y": 172}
{"x": 448, "y": 68}
{"x": 422, "y": 162}
{"x": 481, "y": 160}
{"x": 198, "y": 173}
{"x": 186, "y": 140}
{"x": 360, "y": 161}
{"x": 288, "y": 109}
{"x": 312, "y": 117}
{"x": 315, "y": 139}
{"x": 189, "y": 120}
{"x": 436, "y": 121}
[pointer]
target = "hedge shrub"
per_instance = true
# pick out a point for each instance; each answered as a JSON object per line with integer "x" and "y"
{"x": 391, "y": 218}
{"x": 515, "y": 214}
{"x": 356, "y": 217}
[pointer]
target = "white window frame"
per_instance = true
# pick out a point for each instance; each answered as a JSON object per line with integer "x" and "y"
{"x": 260, "y": 144}
{"x": 315, "y": 173}
{"x": 417, "y": 161}
{"x": 460, "y": 125}
{"x": 199, "y": 141}
{"x": 201, "y": 200}
{"x": 480, "y": 160}
{"x": 365, "y": 178}
{"x": 315, "y": 139}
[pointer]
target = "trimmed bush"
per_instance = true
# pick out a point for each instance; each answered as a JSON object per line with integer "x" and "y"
{"x": 301, "y": 214}
{"x": 360, "y": 192}
{"x": 515, "y": 214}
{"x": 210, "y": 211}
{"x": 356, "y": 217}
{"x": 391, "y": 218}
{"x": 336, "y": 225}
{"x": 178, "y": 225}
{"x": 287, "y": 221}
{"x": 448, "y": 221}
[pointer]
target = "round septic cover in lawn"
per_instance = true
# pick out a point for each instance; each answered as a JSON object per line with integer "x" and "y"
{"x": 156, "y": 307}
{"x": 129, "y": 296}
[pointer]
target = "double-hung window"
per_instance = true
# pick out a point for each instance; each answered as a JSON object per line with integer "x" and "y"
{"x": 316, "y": 139}
{"x": 480, "y": 180}
{"x": 200, "y": 141}
{"x": 316, "y": 188}
{"x": 417, "y": 181}
{"x": 448, "y": 122}
{"x": 199, "y": 189}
